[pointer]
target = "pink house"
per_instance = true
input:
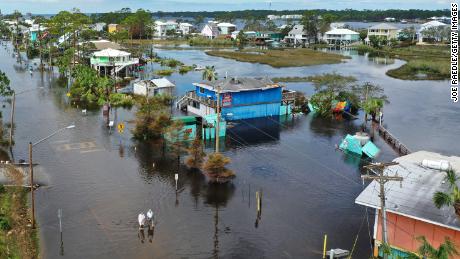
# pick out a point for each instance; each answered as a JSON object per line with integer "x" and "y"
{"x": 210, "y": 30}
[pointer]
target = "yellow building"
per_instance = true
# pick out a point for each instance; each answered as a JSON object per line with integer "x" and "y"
{"x": 113, "y": 27}
{"x": 383, "y": 30}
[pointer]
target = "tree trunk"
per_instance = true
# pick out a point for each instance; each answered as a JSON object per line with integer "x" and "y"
{"x": 457, "y": 208}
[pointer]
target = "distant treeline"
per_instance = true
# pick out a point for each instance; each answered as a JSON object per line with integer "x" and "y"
{"x": 342, "y": 15}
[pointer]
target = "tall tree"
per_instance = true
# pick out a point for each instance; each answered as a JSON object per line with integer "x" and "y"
{"x": 310, "y": 24}
{"x": 40, "y": 20}
{"x": 196, "y": 154}
{"x": 16, "y": 16}
{"x": 5, "y": 89}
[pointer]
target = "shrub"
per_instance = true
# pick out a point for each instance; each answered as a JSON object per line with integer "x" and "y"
{"x": 2, "y": 188}
{"x": 4, "y": 224}
{"x": 185, "y": 69}
{"x": 164, "y": 72}
{"x": 215, "y": 167}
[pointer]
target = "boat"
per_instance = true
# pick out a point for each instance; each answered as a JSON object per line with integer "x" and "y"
{"x": 199, "y": 68}
{"x": 403, "y": 21}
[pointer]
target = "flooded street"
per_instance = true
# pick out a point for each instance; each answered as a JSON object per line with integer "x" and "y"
{"x": 102, "y": 180}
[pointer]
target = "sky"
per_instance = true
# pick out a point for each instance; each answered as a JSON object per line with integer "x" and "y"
{"x": 98, "y": 6}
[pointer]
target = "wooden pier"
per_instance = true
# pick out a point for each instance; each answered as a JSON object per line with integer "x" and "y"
{"x": 393, "y": 141}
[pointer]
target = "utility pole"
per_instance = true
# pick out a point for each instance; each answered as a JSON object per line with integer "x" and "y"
{"x": 218, "y": 119}
{"x": 382, "y": 179}
{"x": 12, "y": 119}
{"x": 31, "y": 171}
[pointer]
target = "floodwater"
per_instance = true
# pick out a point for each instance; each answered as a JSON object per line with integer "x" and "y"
{"x": 101, "y": 180}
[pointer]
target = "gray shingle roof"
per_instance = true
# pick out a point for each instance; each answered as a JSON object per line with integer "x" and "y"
{"x": 234, "y": 84}
{"x": 415, "y": 198}
{"x": 297, "y": 29}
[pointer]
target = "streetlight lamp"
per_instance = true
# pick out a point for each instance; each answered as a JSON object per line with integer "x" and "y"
{"x": 31, "y": 169}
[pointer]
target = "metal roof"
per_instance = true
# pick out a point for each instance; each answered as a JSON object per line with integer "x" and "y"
{"x": 225, "y": 24}
{"x": 111, "y": 53}
{"x": 383, "y": 26}
{"x": 234, "y": 84}
{"x": 297, "y": 29}
{"x": 341, "y": 32}
{"x": 162, "y": 82}
{"x": 415, "y": 198}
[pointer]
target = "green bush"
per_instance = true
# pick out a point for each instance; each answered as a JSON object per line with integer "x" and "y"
{"x": 2, "y": 188}
{"x": 164, "y": 72}
{"x": 4, "y": 224}
{"x": 201, "y": 41}
{"x": 185, "y": 69}
{"x": 170, "y": 62}
{"x": 119, "y": 99}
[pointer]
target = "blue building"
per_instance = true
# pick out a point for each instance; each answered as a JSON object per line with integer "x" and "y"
{"x": 240, "y": 98}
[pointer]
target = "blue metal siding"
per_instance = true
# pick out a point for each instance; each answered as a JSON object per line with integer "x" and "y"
{"x": 252, "y": 111}
{"x": 246, "y": 97}
{"x": 271, "y": 95}
{"x": 206, "y": 93}
{"x": 248, "y": 104}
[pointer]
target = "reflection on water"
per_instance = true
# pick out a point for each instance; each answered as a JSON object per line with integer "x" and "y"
{"x": 306, "y": 183}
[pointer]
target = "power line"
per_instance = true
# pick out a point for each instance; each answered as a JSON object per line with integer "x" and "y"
{"x": 305, "y": 155}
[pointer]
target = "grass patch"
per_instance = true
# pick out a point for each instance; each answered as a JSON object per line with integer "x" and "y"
{"x": 201, "y": 41}
{"x": 185, "y": 69}
{"x": 157, "y": 41}
{"x": 292, "y": 79}
{"x": 170, "y": 62}
{"x": 423, "y": 62}
{"x": 17, "y": 240}
{"x": 281, "y": 57}
{"x": 165, "y": 72}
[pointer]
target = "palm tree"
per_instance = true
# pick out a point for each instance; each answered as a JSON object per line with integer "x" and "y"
{"x": 426, "y": 250}
{"x": 209, "y": 73}
{"x": 452, "y": 198}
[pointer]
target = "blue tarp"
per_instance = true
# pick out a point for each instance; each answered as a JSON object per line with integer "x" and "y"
{"x": 371, "y": 150}
{"x": 351, "y": 144}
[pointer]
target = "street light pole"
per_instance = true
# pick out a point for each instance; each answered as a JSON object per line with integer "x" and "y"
{"x": 31, "y": 168}
{"x": 12, "y": 119}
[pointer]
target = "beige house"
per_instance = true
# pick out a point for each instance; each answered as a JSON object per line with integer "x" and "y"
{"x": 382, "y": 30}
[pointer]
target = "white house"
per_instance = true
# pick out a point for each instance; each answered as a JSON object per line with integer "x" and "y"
{"x": 185, "y": 28}
{"x": 226, "y": 28}
{"x": 341, "y": 36}
{"x": 382, "y": 30}
{"x": 98, "y": 26}
{"x": 161, "y": 28}
{"x": 210, "y": 30}
{"x": 112, "y": 61}
{"x": 428, "y": 25}
{"x": 153, "y": 87}
{"x": 297, "y": 35}
{"x": 249, "y": 34}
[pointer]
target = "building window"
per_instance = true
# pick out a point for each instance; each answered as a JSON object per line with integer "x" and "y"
{"x": 202, "y": 90}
